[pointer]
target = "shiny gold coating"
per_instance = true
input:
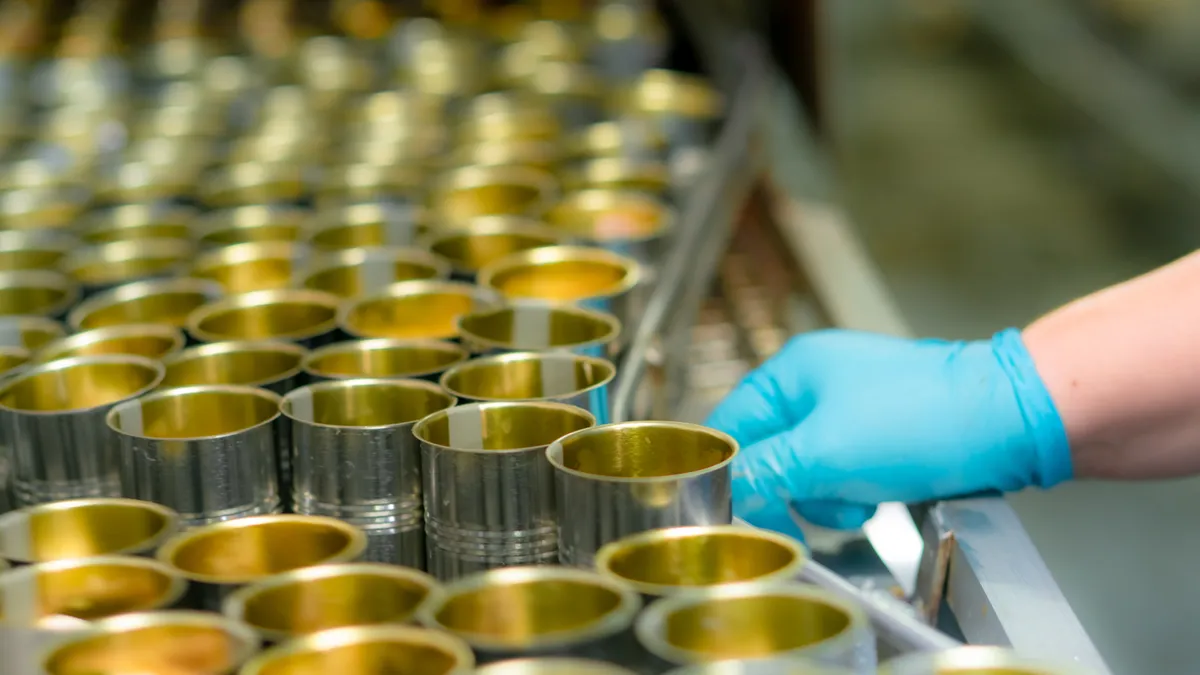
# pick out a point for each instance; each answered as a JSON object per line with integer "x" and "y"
{"x": 974, "y": 660}
{"x": 522, "y": 376}
{"x": 486, "y": 239}
{"x": 151, "y": 340}
{"x": 254, "y": 183}
{"x": 319, "y": 598}
{"x": 80, "y": 383}
{"x": 279, "y": 144}
{"x": 121, "y": 262}
{"x": 162, "y": 643}
{"x": 87, "y": 589}
{"x": 508, "y": 426}
{"x": 364, "y": 180}
{"x": 414, "y": 310}
{"x": 36, "y": 292}
{"x": 535, "y": 153}
{"x": 353, "y": 272}
{"x": 360, "y": 226}
{"x": 138, "y": 221}
{"x": 551, "y": 666}
{"x": 473, "y": 191}
{"x": 254, "y": 363}
{"x": 611, "y": 215}
{"x": 620, "y": 173}
{"x": 42, "y": 207}
{"x": 259, "y": 266}
{"x": 614, "y": 138}
{"x": 83, "y": 528}
{"x": 165, "y": 301}
{"x": 666, "y": 92}
{"x": 29, "y": 333}
{"x": 528, "y": 608}
{"x": 245, "y": 550}
{"x": 34, "y": 249}
{"x": 366, "y": 650}
{"x": 746, "y": 621}
{"x": 196, "y": 413}
{"x": 666, "y": 561}
{"x": 382, "y": 358}
{"x": 561, "y": 274}
{"x": 559, "y": 327}
{"x": 266, "y": 315}
{"x": 366, "y": 403}
{"x": 643, "y": 451}
{"x": 252, "y": 224}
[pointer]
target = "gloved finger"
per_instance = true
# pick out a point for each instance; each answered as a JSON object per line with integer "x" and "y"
{"x": 771, "y": 399}
{"x": 835, "y": 515}
{"x": 774, "y": 515}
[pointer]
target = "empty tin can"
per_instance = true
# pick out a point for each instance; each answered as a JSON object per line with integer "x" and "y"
{"x": 619, "y": 173}
{"x": 151, "y": 340}
{"x": 218, "y": 558}
{"x": 620, "y": 479}
{"x": 37, "y": 292}
{"x": 165, "y": 301}
{"x": 537, "y": 611}
{"x": 270, "y": 364}
{"x": 535, "y": 376}
{"x": 637, "y": 138}
{"x": 255, "y": 183}
{"x": 29, "y": 332}
{"x": 35, "y": 249}
{"x": 243, "y": 268}
{"x": 483, "y": 240}
{"x": 470, "y": 192}
{"x": 303, "y": 316}
{"x": 104, "y": 266}
{"x": 363, "y": 650}
{"x": 155, "y": 642}
{"x": 252, "y": 224}
{"x": 315, "y": 599}
{"x": 83, "y": 528}
{"x": 382, "y": 358}
{"x": 52, "y": 417}
{"x": 364, "y": 225}
{"x": 362, "y": 271}
{"x": 489, "y": 492}
{"x": 550, "y": 665}
{"x": 632, "y": 224}
{"x": 208, "y": 452}
{"x": 138, "y": 221}
{"x": 756, "y": 621}
{"x": 677, "y": 559}
{"x": 424, "y": 309}
{"x": 528, "y": 326}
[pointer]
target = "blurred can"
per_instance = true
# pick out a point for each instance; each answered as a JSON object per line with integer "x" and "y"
{"x": 29, "y": 332}
{"x": 208, "y": 452}
{"x": 756, "y": 621}
{"x": 255, "y": 183}
{"x": 155, "y": 642}
{"x": 382, "y": 358}
{"x": 974, "y": 660}
{"x": 635, "y": 138}
{"x": 52, "y": 417}
{"x": 486, "y": 239}
{"x": 629, "y": 37}
{"x": 780, "y": 665}
{"x": 84, "y": 528}
{"x": 361, "y": 650}
{"x": 149, "y": 181}
{"x": 355, "y": 457}
{"x": 218, "y": 558}
{"x": 529, "y": 121}
{"x": 531, "y": 152}
{"x": 364, "y": 225}
{"x": 631, "y": 224}
{"x": 306, "y": 317}
{"x": 424, "y": 309}
{"x": 633, "y": 174}
{"x": 37, "y": 293}
{"x": 563, "y": 612}
{"x": 620, "y": 479}
{"x": 12, "y": 361}
{"x": 150, "y": 340}
{"x": 360, "y": 271}
{"x": 270, "y": 364}
{"x": 586, "y": 276}
{"x": 251, "y": 225}
{"x": 489, "y": 492}
{"x": 103, "y": 266}
{"x": 47, "y": 602}
{"x": 678, "y": 559}
{"x": 535, "y": 376}
{"x": 138, "y": 221}
{"x": 685, "y": 106}
{"x": 532, "y": 326}
{"x": 462, "y": 194}
{"x": 315, "y": 599}
{"x": 575, "y": 92}
{"x": 551, "y": 665}
{"x": 368, "y": 181}
{"x": 163, "y": 301}
{"x": 42, "y": 207}
{"x": 34, "y": 249}
{"x": 258, "y": 266}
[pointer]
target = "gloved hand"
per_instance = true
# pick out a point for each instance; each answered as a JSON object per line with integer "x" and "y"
{"x": 840, "y": 421}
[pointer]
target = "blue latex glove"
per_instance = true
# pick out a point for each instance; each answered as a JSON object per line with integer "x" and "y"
{"x": 840, "y": 421}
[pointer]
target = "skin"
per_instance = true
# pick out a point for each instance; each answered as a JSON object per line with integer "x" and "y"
{"x": 1123, "y": 368}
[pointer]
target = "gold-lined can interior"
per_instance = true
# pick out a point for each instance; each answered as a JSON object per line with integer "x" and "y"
{"x": 36, "y": 292}
{"x": 552, "y": 666}
{"x": 643, "y": 450}
{"x": 365, "y": 403}
{"x": 250, "y": 363}
{"x": 193, "y": 413}
{"x": 414, "y": 310}
{"x": 252, "y": 224}
{"x": 80, "y": 383}
{"x": 383, "y": 358}
{"x": 474, "y": 191}
{"x": 611, "y": 215}
{"x": 244, "y": 268}
{"x": 266, "y": 315}
{"x": 362, "y": 226}
{"x": 487, "y": 239}
{"x": 537, "y": 326}
{"x": 82, "y": 528}
{"x": 129, "y": 260}
{"x": 353, "y": 272}
{"x": 367, "y": 650}
{"x": 87, "y": 589}
{"x": 34, "y": 249}
{"x": 560, "y": 274}
{"x": 138, "y": 221}
{"x": 152, "y": 341}
{"x": 29, "y": 332}
{"x": 525, "y": 376}
{"x": 166, "y": 301}
{"x": 502, "y": 426}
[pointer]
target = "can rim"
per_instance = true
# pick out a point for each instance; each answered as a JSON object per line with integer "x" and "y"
{"x": 351, "y": 635}
{"x": 155, "y": 367}
{"x": 112, "y": 418}
{"x": 350, "y": 383}
{"x": 419, "y": 429}
{"x": 526, "y": 305}
{"x": 170, "y": 521}
{"x": 382, "y": 344}
{"x": 605, "y": 365}
{"x": 138, "y": 290}
{"x": 555, "y": 449}
{"x": 209, "y": 349}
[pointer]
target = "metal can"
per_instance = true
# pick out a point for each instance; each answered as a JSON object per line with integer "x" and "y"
{"x": 83, "y": 528}
{"x": 37, "y": 292}
{"x": 165, "y": 301}
{"x": 104, "y": 266}
{"x": 382, "y": 358}
{"x": 483, "y": 240}
{"x": 270, "y": 364}
{"x": 423, "y": 309}
{"x": 530, "y": 325}
{"x": 356, "y": 272}
{"x": 259, "y": 266}
{"x": 306, "y": 317}
{"x": 360, "y": 646}
{"x": 535, "y": 376}
{"x": 151, "y": 340}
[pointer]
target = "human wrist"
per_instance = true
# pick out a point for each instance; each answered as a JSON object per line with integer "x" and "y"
{"x": 1044, "y": 425}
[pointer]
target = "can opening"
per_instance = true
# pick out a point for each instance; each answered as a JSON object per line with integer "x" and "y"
{"x": 196, "y": 414}
{"x": 169, "y": 307}
{"x": 367, "y": 657}
{"x": 82, "y": 529}
{"x": 152, "y": 649}
{"x": 419, "y": 315}
{"x": 315, "y": 603}
{"x": 28, "y": 299}
{"x": 527, "y": 378}
{"x": 88, "y": 590}
{"x": 244, "y": 276}
{"x": 151, "y": 342}
{"x": 356, "y": 359}
{"x": 521, "y": 613}
{"x": 78, "y": 385}
{"x": 365, "y": 404}
{"x": 471, "y": 251}
{"x": 703, "y": 558}
{"x": 643, "y": 451}
{"x": 563, "y": 281}
{"x": 235, "y": 552}
{"x": 754, "y": 626}
{"x": 501, "y": 426}
{"x": 352, "y": 280}
{"x": 282, "y": 319}
{"x": 247, "y": 366}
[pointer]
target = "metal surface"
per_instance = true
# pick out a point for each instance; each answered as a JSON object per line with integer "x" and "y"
{"x": 383, "y": 358}
{"x": 535, "y": 376}
{"x": 531, "y": 325}
{"x": 489, "y": 491}
{"x": 364, "y": 645}
{"x": 109, "y": 526}
{"x": 620, "y": 479}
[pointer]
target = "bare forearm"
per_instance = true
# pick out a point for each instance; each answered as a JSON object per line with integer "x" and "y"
{"x": 1123, "y": 368}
